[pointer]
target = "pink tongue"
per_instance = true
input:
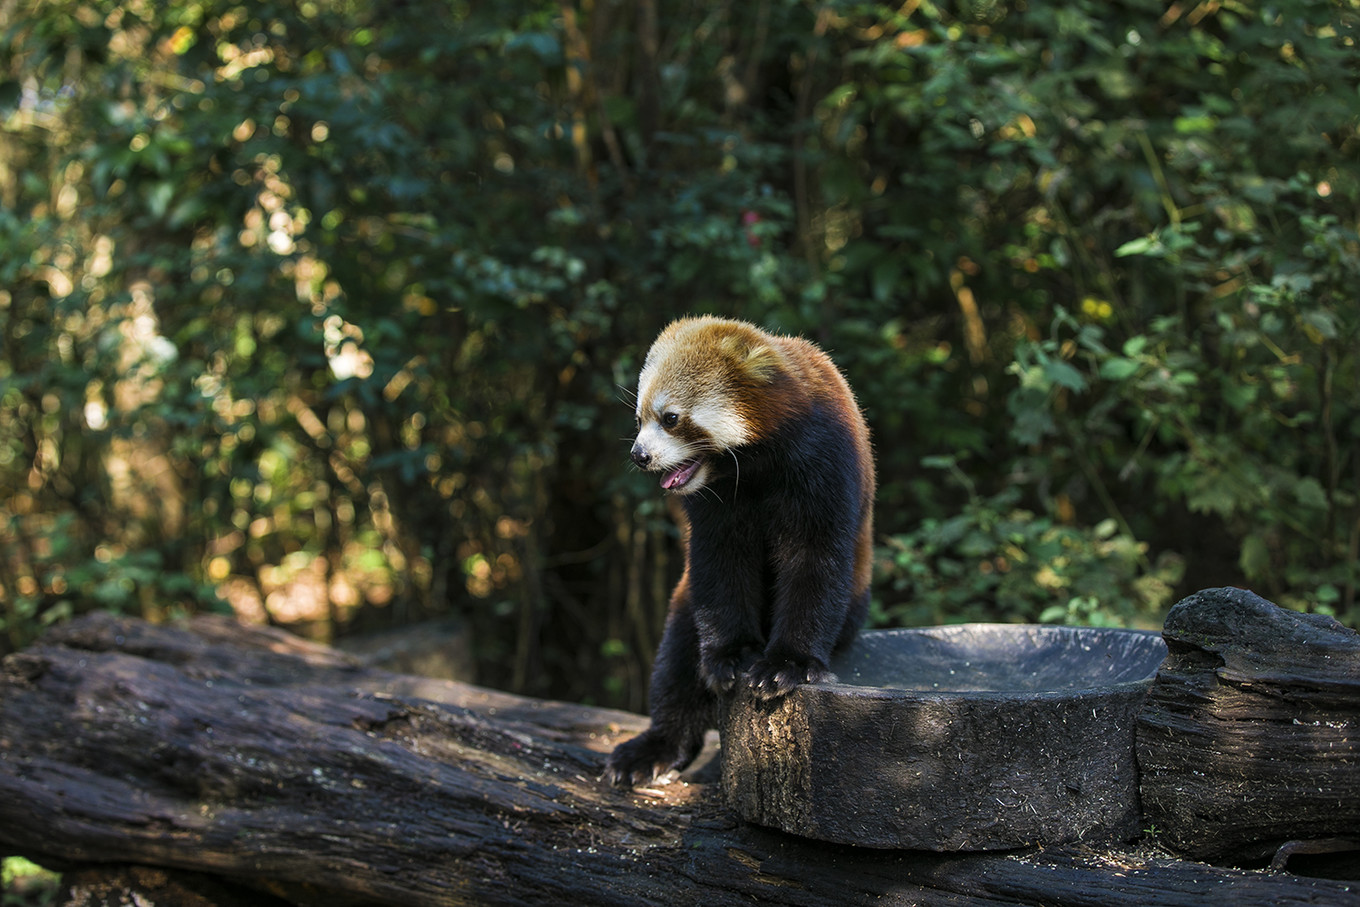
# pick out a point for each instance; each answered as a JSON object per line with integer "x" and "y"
{"x": 680, "y": 475}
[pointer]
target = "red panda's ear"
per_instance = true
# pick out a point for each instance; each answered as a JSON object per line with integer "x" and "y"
{"x": 754, "y": 359}
{"x": 761, "y": 363}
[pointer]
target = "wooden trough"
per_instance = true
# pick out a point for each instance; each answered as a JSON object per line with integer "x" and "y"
{"x": 970, "y": 737}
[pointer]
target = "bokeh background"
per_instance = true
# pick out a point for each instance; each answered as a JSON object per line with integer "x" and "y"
{"x": 326, "y": 313}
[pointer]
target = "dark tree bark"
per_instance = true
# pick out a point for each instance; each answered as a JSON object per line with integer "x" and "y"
{"x": 1249, "y": 741}
{"x": 257, "y": 759}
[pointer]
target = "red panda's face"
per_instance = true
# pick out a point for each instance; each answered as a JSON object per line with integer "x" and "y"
{"x": 678, "y": 438}
{"x": 693, "y": 402}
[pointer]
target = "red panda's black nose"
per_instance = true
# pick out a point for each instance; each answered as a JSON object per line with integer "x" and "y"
{"x": 640, "y": 456}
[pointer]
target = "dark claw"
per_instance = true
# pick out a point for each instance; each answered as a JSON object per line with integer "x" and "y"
{"x": 721, "y": 672}
{"x": 649, "y": 758}
{"x": 722, "y": 678}
{"x": 773, "y": 678}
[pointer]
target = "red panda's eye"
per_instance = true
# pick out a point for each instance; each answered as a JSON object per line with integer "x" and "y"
{"x": 670, "y": 420}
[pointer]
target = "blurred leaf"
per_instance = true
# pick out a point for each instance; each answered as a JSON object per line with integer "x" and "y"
{"x": 1144, "y": 245}
{"x": 1255, "y": 557}
{"x": 1064, "y": 375}
{"x": 1118, "y": 369}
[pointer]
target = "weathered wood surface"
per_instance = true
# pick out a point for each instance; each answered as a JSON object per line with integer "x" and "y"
{"x": 253, "y": 757}
{"x": 1250, "y": 737}
{"x": 967, "y": 737}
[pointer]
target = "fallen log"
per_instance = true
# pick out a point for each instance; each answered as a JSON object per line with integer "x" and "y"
{"x": 255, "y": 758}
{"x": 1249, "y": 740}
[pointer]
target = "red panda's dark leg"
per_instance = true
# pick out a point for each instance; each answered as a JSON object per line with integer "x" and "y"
{"x": 854, "y": 620}
{"x": 682, "y": 707}
{"x": 813, "y": 601}
{"x": 725, "y": 574}
{"x": 818, "y": 525}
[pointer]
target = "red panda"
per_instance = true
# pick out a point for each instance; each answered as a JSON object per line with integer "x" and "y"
{"x": 762, "y": 436}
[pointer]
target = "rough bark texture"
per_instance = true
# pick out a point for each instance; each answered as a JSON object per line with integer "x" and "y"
{"x": 1250, "y": 738}
{"x": 263, "y": 761}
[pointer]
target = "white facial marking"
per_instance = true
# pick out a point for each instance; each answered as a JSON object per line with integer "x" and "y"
{"x": 663, "y": 448}
{"x": 644, "y": 390}
{"x": 725, "y": 427}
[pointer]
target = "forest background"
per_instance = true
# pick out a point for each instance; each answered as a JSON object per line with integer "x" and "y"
{"x": 327, "y": 312}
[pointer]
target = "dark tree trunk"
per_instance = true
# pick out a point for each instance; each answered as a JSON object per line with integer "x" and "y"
{"x": 260, "y": 760}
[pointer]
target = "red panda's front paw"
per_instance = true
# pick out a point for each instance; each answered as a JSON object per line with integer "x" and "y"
{"x": 771, "y": 678}
{"x": 721, "y": 670}
{"x": 651, "y": 756}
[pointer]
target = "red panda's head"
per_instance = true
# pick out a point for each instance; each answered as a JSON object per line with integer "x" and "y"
{"x": 702, "y": 392}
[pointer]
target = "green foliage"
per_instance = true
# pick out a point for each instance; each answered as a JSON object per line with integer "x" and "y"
{"x": 315, "y": 305}
{"x": 331, "y": 311}
{"x": 1148, "y": 222}
{"x": 1237, "y": 420}
{"x": 994, "y": 560}
{"x": 25, "y": 884}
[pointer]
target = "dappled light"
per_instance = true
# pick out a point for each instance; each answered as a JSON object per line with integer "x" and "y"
{"x": 328, "y": 316}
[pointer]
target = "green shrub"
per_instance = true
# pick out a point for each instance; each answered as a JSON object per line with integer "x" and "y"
{"x": 319, "y": 301}
{"x": 997, "y": 561}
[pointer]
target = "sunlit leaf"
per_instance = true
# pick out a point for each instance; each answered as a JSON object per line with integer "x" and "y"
{"x": 1143, "y": 245}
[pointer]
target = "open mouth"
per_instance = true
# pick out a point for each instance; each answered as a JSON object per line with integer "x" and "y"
{"x": 677, "y": 477}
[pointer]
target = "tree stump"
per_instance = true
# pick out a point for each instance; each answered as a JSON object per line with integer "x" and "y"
{"x": 966, "y": 737}
{"x": 258, "y": 760}
{"x": 1250, "y": 738}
